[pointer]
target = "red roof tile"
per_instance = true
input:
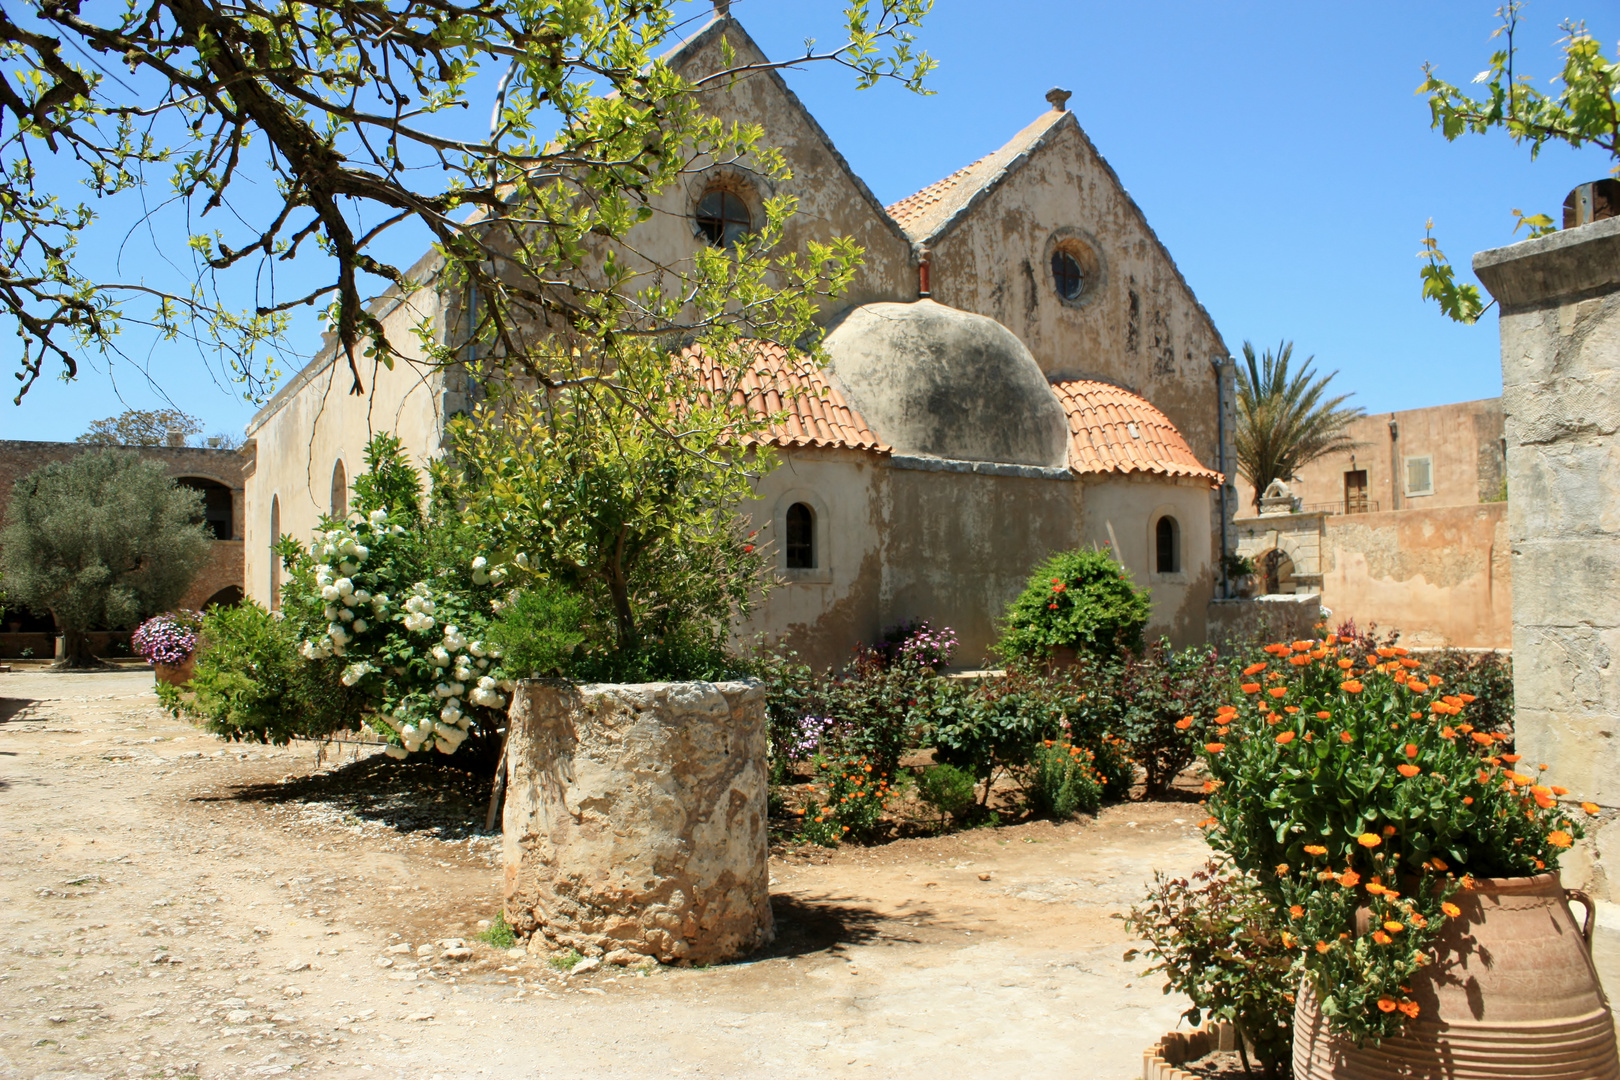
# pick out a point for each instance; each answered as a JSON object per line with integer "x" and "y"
{"x": 778, "y": 381}
{"x": 1114, "y": 430}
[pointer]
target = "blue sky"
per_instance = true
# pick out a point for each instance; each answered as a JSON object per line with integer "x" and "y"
{"x": 1277, "y": 149}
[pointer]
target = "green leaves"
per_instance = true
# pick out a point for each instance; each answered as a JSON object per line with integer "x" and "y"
{"x": 1081, "y": 600}
{"x": 1460, "y": 303}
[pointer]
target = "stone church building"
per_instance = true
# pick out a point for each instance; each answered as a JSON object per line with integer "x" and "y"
{"x": 1018, "y": 368}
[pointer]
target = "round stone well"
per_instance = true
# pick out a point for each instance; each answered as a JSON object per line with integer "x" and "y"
{"x": 635, "y": 820}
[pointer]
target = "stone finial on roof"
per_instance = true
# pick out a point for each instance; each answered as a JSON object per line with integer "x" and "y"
{"x": 722, "y": 8}
{"x": 1059, "y": 98}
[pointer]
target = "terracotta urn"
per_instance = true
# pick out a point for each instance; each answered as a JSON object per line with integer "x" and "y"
{"x": 1513, "y": 996}
{"x": 176, "y": 674}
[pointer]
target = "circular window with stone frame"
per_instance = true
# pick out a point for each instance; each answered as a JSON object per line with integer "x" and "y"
{"x": 1076, "y": 269}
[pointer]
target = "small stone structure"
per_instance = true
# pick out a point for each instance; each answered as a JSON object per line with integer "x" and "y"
{"x": 1560, "y": 326}
{"x": 635, "y": 821}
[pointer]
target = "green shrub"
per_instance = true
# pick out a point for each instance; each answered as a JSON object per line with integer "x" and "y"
{"x": 1062, "y": 781}
{"x": 539, "y": 630}
{"x": 947, "y": 789}
{"x": 1081, "y": 600}
{"x": 1157, "y": 692}
{"x": 252, "y": 684}
{"x": 499, "y": 935}
{"x": 854, "y": 797}
{"x": 1220, "y": 941}
{"x": 875, "y": 710}
{"x": 1487, "y": 676}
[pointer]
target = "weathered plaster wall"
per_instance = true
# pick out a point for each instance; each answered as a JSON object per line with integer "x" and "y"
{"x": 1560, "y": 327}
{"x": 1440, "y": 576}
{"x": 821, "y": 612}
{"x": 224, "y": 566}
{"x": 1137, "y": 324}
{"x": 1123, "y": 513}
{"x": 1463, "y": 442}
{"x": 832, "y": 200}
{"x": 314, "y": 422}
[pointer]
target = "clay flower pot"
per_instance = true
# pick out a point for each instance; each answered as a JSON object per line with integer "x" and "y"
{"x": 176, "y": 674}
{"x": 1513, "y": 996}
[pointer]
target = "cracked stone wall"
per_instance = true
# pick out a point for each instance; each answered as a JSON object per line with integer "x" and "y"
{"x": 635, "y": 820}
{"x": 1560, "y": 327}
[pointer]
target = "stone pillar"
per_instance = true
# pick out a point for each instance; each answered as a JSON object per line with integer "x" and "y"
{"x": 1560, "y": 326}
{"x": 635, "y": 821}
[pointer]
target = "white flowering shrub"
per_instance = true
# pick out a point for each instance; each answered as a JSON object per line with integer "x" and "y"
{"x": 406, "y": 604}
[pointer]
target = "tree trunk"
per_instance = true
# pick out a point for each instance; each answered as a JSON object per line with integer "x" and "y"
{"x": 76, "y": 653}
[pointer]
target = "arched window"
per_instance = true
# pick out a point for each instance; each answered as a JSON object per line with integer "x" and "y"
{"x": 275, "y": 560}
{"x": 799, "y": 545}
{"x": 340, "y": 491}
{"x": 229, "y": 596}
{"x": 1167, "y": 546}
{"x": 216, "y": 504}
{"x": 1067, "y": 277}
{"x": 722, "y": 217}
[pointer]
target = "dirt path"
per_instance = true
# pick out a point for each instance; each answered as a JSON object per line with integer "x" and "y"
{"x": 179, "y": 907}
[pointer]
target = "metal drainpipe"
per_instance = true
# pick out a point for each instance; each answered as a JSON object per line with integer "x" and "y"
{"x": 1394, "y": 464}
{"x": 1220, "y": 457}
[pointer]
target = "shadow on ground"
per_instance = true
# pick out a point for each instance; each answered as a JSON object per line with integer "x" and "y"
{"x": 406, "y": 796}
{"x": 11, "y": 709}
{"x": 815, "y": 924}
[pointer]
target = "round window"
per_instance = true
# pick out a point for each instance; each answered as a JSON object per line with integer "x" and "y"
{"x": 722, "y": 217}
{"x": 1067, "y": 277}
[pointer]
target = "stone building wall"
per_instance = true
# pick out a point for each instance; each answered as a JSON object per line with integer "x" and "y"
{"x": 1463, "y": 442}
{"x": 1560, "y": 324}
{"x": 223, "y": 569}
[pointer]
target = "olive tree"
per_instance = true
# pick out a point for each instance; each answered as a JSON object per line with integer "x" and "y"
{"x": 103, "y": 539}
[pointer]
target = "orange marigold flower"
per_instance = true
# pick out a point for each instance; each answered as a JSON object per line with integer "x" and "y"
{"x": 1451, "y": 910}
{"x": 1322, "y": 946}
{"x": 1408, "y": 771}
{"x": 1386, "y": 1004}
{"x": 1591, "y": 808}
{"x": 1324, "y": 715}
{"x": 1375, "y": 889}
{"x": 1448, "y": 733}
{"x": 1315, "y": 849}
{"x": 1250, "y": 688}
{"x": 1351, "y": 687}
{"x": 1435, "y": 680}
{"x": 1295, "y": 911}
{"x": 1393, "y": 927}
{"x": 1288, "y": 940}
{"x": 1410, "y": 1008}
{"x": 1411, "y": 749}
{"x": 1520, "y": 779}
{"x": 1284, "y": 738}
{"x": 1560, "y": 791}
{"x": 1512, "y": 759}
{"x": 1468, "y": 800}
{"x": 1276, "y": 650}
{"x": 1417, "y": 716}
{"x": 1290, "y": 709}
{"x": 1282, "y": 868}
{"x": 1389, "y": 830}
{"x": 1347, "y": 664}
{"x": 1546, "y": 802}
{"x": 1467, "y": 699}
{"x": 1386, "y": 653}
{"x": 1304, "y": 646}
{"x": 1215, "y": 747}
{"x": 1481, "y": 738}
{"x": 1560, "y": 838}
{"x": 1255, "y": 669}
{"x": 1345, "y": 736}
{"x": 1349, "y": 879}
{"x": 1369, "y": 840}
{"x": 1410, "y": 664}
{"x": 1278, "y": 691}
{"x": 1184, "y": 723}
{"x": 1438, "y": 863}
{"x": 1382, "y": 939}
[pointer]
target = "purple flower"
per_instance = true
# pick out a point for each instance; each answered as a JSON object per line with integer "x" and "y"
{"x": 167, "y": 639}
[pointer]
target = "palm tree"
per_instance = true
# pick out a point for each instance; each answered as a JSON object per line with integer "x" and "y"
{"x": 1286, "y": 420}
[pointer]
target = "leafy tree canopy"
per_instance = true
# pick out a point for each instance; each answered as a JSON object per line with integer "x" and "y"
{"x": 313, "y": 131}
{"x": 103, "y": 539}
{"x": 1285, "y": 418}
{"x": 141, "y": 427}
{"x": 1585, "y": 111}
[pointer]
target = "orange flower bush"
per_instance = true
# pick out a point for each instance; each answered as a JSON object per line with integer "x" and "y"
{"x": 853, "y": 800}
{"x": 1370, "y": 808}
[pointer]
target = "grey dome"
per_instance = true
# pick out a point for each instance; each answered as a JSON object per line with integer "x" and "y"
{"x": 937, "y": 382}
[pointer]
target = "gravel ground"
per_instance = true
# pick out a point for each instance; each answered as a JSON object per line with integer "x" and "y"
{"x": 175, "y": 906}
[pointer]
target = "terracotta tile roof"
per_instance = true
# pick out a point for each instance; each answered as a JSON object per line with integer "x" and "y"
{"x": 779, "y": 381}
{"x": 930, "y": 210}
{"x": 1114, "y": 430}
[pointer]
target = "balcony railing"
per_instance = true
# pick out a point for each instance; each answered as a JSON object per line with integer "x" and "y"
{"x": 1359, "y": 506}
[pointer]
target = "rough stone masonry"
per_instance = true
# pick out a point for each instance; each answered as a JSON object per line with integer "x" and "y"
{"x": 635, "y": 820}
{"x": 1560, "y": 324}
